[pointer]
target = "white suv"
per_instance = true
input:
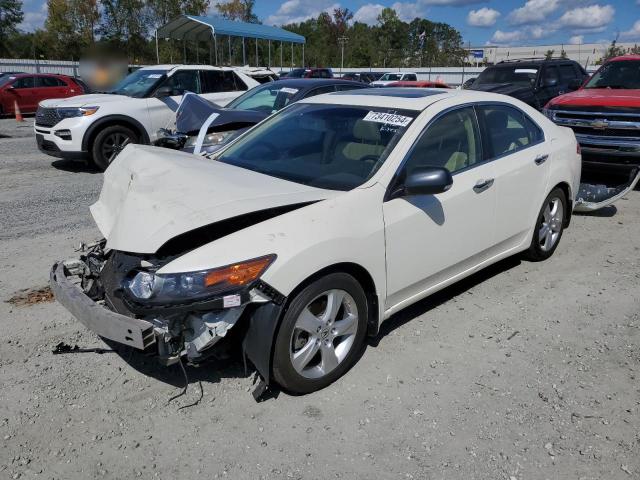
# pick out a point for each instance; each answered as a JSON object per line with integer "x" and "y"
{"x": 96, "y": 127}
{"x": 388, "y": 78}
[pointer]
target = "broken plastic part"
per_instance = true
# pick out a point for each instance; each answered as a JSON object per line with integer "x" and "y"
{"x": 594, "y": 197}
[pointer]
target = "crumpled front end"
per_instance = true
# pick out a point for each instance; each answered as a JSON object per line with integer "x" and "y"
{"x": 92, "y": 289}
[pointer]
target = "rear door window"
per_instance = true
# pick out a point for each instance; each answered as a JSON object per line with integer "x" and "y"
{"x": 550, "y": 74}
{"x": 49, "y": 82}
{"x": 214, "y": 81}
{"x": 320, "y": 91}
{"x": 410, "y": 77}
{"x": 508, "y": 130}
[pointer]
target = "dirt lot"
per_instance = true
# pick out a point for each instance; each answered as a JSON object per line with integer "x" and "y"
{"x": 526, "y": 371}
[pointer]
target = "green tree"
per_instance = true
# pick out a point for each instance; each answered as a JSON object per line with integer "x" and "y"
{"x": 549, "y": 54}
{"x": 126, "y": 26}
{"x": 10, "y": 17}
{"x": 238, "y": 10}
{"x": 71, "y": 26}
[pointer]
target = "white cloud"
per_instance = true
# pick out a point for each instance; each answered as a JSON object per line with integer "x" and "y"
{"x": 576, "y": 40}
{"x": 34, "y": 20}
{"x": 594, "y": 17}
{"x": 455, "y": 3}
{"x": 296, "y": 11}
{"x": 533, "y": 11}
{"x": 406, "y": 12}
{"x": 501, "y": 37}
{"x": 634, "y": 33}
{"x": 368, "y": 13}
{"x": 484, "y": 17}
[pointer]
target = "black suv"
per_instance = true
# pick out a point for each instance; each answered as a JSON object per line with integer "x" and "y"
{"x": 534, "y": 81}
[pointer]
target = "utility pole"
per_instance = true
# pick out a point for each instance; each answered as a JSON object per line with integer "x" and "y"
{"x": 343, "y": 41}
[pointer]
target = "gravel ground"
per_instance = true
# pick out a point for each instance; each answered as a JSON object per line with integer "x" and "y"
{"x": 525, "y": 371}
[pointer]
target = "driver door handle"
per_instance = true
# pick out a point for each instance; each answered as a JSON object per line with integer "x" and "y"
{"x": 483, "y": 185}
{"x": 540, "y": 159}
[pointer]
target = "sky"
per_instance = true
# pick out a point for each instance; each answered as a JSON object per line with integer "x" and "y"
{"x": 481, "y": 22}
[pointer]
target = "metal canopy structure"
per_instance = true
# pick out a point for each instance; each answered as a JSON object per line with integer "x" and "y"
{"x": 193, "y": 28}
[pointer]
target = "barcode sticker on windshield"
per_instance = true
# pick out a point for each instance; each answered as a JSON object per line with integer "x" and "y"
{"x": 155, "y": 75}
{"x": 289, "y": 90}
{"x": 388, "y": 118}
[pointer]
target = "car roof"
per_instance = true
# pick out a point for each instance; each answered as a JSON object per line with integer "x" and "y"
{"x": 313, "y": 82}
{"x": 169, "y": 67}
{"x": 416, "y": 99}
{"x": 530, "y": 63}
{"x": 26, "y": 74}
{"x": 622, "y": 58}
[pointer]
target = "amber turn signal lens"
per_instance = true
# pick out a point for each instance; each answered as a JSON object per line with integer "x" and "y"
{"x": 238, "y": 274}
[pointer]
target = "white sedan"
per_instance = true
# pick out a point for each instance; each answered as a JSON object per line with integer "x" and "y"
{"x": 321, "y": 222}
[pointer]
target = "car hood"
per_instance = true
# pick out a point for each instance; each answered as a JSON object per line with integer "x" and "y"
{"x": 150, "y": 195}
{"x": 598, "y": 97}
{"x": 83, "y": 100}
{"x": 195, "y": 110}
{"x": 503, "y": 88}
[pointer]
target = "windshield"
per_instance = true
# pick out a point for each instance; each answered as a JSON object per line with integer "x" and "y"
{"x": 619, "y": 74}
{"x": 267, "y": 98}
{"x": 391, "y": 76}
{"x": 5, "y": 79}
{"x": 139, "y": 83}
{"x": 517, "y": 75}
{"x": 335, "y": 147}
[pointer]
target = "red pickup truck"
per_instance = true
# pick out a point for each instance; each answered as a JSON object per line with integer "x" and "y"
{"x": 604, "y": 114}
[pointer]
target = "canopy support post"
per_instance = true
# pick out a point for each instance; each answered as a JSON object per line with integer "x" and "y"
{"x": 281, "y": 50}
{"x": 244, "y": 56}
{"x": 257, "y": 61}
{"x": 269, "y": 65}
{"x": 184, "y": 51}
{"x": 157, "y": 49}
{"x": 197, "y": 52}
{"x": 303, "y": 55}
{"x": 291, "y": 55}
{"x": 230, "y": 59}
{"x": 215, "y": 46}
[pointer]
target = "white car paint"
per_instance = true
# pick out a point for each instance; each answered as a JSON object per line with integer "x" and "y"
{"x": 411, "y": 247}
{"x": 383, "y": 82}
{"x": 149, "y": 113}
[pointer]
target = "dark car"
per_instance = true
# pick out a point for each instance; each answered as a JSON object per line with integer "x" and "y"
{"x": 242, "y": 113}
{"x": 27, "y": 90}
{"x": 308, "y": 73}
{"x": 534, "y": 82}
{"x": 364, "y": 77}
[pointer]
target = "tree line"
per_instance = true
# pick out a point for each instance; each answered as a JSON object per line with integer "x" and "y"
{"x": 75, "y": 28}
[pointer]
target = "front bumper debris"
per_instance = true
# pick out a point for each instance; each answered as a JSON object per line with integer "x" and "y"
{"x": 592, "y": 197}
{"x": 111, "y": 325}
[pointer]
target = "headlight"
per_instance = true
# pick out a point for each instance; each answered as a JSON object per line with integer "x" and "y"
{"x": 211, "y": 139}
{"x": 149, "y": 287}
{"x": 76, "y": 112}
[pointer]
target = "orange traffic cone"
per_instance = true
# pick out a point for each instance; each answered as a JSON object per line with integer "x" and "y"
{"x": 16, "y": 110}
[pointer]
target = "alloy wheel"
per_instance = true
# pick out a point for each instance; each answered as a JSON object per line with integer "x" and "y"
{"x": 324, "y": 333}
{"x": 114, "y": 144}
{"x": 551, "y": 225}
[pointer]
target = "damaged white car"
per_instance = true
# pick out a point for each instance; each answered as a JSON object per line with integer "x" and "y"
{"x": 317, "y": 225}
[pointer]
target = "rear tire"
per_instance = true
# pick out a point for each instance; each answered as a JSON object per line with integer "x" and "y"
{"x": 321, "y": 335}
{"x": 549, "y": 226}
{"x": 109, "y": 142}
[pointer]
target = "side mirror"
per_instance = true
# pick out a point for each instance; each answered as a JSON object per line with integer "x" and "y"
{"x": 427, "y": 181}
{"x": 550, "y": 82}
{"x": 162, "y": 92}
{"x": 575, "y": 84}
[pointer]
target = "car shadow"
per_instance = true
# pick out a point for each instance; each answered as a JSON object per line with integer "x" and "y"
{"x": 411, "y": 312}
{"x": 74, "y": 166}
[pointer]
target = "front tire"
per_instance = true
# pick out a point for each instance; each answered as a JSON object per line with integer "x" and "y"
{"x": 109, "y": 142}
{"x": 549, "y": 226}
{"x": 322, "y": 334}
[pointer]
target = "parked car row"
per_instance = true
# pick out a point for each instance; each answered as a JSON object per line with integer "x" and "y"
{"x": 27, "y": 90}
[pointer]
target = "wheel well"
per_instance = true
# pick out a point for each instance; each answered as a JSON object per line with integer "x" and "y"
{"x": 364, "y": 279}
{"x": 564, "y": 186}
{"x": 123, "y": 121}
